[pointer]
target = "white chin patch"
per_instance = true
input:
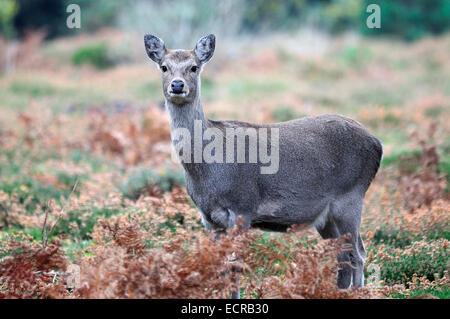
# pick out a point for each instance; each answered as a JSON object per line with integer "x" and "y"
{"x": 178, "y": 95}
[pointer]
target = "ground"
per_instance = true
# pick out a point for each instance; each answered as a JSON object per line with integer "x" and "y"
{"x": 87, "y": 178}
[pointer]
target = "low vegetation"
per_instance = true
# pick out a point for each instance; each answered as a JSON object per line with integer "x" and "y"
{"x": 88, "y": 186}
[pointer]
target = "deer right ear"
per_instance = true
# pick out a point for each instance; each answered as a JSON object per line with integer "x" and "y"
{"x": 155, "y": 48}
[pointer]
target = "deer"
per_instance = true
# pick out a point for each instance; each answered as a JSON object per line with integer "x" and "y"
{"x": 326, "y": 164}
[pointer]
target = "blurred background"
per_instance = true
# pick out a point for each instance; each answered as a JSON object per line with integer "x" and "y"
{"x": 85, "y": 107}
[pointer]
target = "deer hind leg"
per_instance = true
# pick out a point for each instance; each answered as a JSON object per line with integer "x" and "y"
{"x": 347, "y": 216}
{"x": 328, "y": 230}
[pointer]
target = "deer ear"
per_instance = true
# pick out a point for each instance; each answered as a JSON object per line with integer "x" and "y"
{"x": 155, "y": 48}
{"x": 204, "y": 49}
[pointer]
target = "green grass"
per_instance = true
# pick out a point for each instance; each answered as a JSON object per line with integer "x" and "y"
{"x": 148, "y": 90}
{"x": 434, "y": 112}
{"x": 399, "y": 156}
{"x": 34, "y": 192}
{"x": 35, "y": 233}
{"x": 317, "y": 72}
{"x": 19, "y": 92}
{"x": 244, "y": 88}
{"x": 418, "y": 259}
{"x": 17, "y": 178}
{"x": 264, "y": 249}
{"x": 394, "y": 237}
{"x": 379, "y": 94}
{"x": 425, "y": 293}
{"x": 324, "y": 99}
{"x": 208, "y": 88}
{"x": 85, "y": 222}
{"x": 355, "y": 57}
{"x": 95, "y": 162}
{"x": 76, "y": 248}
{"x": 444, "y": 168}
{"x": 285, "y": 113}
{"x": 32, "y": 88}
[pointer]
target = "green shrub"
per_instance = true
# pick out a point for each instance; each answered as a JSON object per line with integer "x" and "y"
{"x": 8, "y": 10}
{"x": 140, "y": 182}
{"x": 99, "y": 13}
{"x": 272, "y": 14}
{"x": 341, "y": 15}
{"x": 96, "y": 55}
{"x": 20, "y": 16}
{"x": 48, "y": 15}
{"x": 409, "y": 19}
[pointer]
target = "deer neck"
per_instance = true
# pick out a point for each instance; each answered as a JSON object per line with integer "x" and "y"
{"x": 188, "y": 117}
{"x": 185, "y": 116}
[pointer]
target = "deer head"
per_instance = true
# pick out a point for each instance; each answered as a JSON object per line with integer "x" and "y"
{"x": 180, "y": 68}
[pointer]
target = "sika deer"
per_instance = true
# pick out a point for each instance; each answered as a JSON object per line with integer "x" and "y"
{"x": 326, "y": 162}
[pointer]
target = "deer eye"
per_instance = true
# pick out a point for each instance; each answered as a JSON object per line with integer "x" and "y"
{"x": 194, "y": 68}
{"x": 164, "y": 68}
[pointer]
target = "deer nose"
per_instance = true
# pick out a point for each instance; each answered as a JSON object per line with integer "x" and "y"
{"x": 177, "y": 86}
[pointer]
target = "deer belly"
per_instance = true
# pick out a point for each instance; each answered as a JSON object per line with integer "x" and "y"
{"x": 278, "y": 216}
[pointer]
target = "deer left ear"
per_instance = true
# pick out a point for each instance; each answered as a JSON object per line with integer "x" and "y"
{"x": 204, "y": 49}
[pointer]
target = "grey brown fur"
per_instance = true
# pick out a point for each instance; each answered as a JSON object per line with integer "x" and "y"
{"x": 327, "y": 162}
